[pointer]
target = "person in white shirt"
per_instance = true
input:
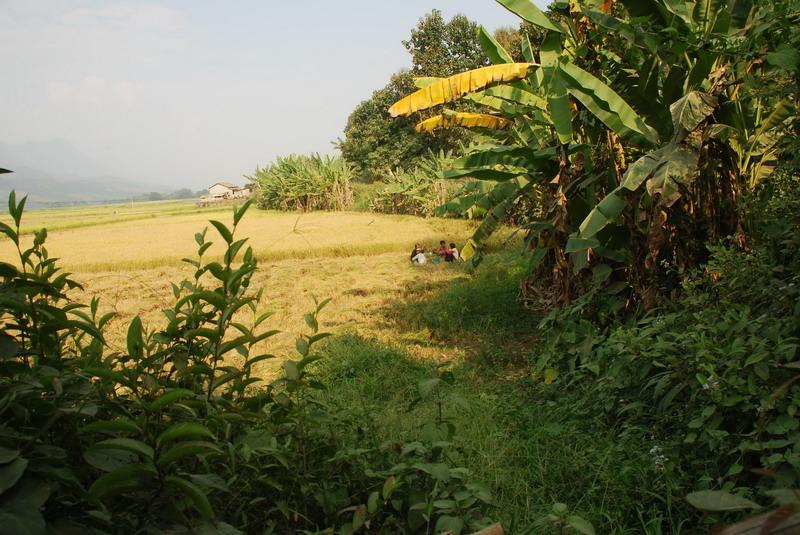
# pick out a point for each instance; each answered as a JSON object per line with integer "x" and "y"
{"x": 456, "y": 256}
{"x": 418, "y": 255}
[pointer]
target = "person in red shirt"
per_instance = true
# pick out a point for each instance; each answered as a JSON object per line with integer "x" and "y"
{"x": 445, "y": 252}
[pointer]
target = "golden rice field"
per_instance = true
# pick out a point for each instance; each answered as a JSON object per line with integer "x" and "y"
{"x": 129, "y": 254}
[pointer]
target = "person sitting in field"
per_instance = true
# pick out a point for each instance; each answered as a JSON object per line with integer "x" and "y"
{"x": 418, "y": 254}
{"x": 445, "y": 252}
{"x": 456, "y": 256}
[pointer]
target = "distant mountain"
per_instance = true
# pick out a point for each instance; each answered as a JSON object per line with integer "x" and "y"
{"x": 55, "y": 171}
{"x": 53, "y": 156}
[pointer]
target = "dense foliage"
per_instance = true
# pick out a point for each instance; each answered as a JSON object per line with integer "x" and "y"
{"x": 663, "y": 240}
{"x": 305, "y": 182}
{"x": 638, "y": 126}
{"x": 174, "y": 435}
{"x": 419, "y": 191}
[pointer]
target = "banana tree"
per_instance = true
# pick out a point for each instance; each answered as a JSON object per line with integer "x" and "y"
{"x": 683, "y": 67}
{"x": 699, "y": 60}
{"x": 550, "y": 145}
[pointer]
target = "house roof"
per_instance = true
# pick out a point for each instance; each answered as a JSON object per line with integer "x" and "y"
{"x": 226, "y": 184}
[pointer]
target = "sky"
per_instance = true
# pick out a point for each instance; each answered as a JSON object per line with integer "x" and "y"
{"x": 187, "y": 92}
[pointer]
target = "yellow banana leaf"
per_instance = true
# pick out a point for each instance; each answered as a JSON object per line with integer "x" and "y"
{"x": 455, "y": 87}
{"x": 467, "y": 120}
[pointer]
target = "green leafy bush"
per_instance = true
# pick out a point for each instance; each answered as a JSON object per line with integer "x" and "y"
{"x": 715, "y": 379}
{"x": 173, "y": 435}
{"x": 305, "y": 182}
{"x": 416, "y": 192}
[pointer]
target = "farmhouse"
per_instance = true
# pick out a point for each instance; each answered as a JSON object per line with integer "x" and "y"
{"x": 226, "y": 190}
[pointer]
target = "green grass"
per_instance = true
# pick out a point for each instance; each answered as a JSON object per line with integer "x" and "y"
{"x": 71, "y": 218}
{"x": 533, "y": 444}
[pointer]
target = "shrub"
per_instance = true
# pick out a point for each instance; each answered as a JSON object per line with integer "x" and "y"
{"x": 173, "y": 435}
{"x": 713, "y": 379}
{"x": 416, "y": 192}
{"x": 305, "y": 183}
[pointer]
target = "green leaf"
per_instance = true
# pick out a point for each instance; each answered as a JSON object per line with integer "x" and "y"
{"x": 291, "y": 369}
{"x": 311, "y": 321}
{"x": 127, "y": 478}
{"x": 238, "y": 214}
{"x": 527, "y": 49}
{"x": 372, "y": 502}
{"x": 549, "y": 376}
{"x": 183, "y": 430}
{"x": 223, "y": 231}
{"x": 449, "y": 524}
{"x": 11, "y": 472}
{"x": 388, "y": 487}
{"x": 170, "y": 397}
{"x": 214, "y": 298}
{"x": 108, "y": 460}
{"x": 185, "y": 449}
{"x": 528, "y": 11}
{"x": 494, "y": 50}
{"x": 302, "y": 346}
{"x": 126, "y": 444}
{"x": 576, "y": 244}
{"x": 193, "y": 492}
{"x": 112, "y": 426}
{"x": 716, "y": 500}
{"x": 479, "y": 174}
{"x": 676, "y": 171}
{"x": 603, "y": 102}
{"x": 517, "y": 95}
{"x": 692, "y": 109}
{"x": 601, "y": 215}
{"x": 641, "y": 169}
{"x": 580, "y": 525}
{"x": 780, "y": 112}
{"x": 785, "y": 56}
{"x": 7, "y": 455}
{"x": 134, "y": 339}
{"x": 20, "y": 511}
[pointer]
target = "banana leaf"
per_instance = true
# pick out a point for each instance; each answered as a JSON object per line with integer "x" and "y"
{"x": 452, "y": 88}
{"x": 692, "y": 109}
{"x": 424, "y": 81}
{"x": 517, "y": 95}
{"x": 488, "y": 173}
{"x": 604, "y": 102}
{"x": 502, "y": 197}
{"x": 528, "y": 11}
{"x": 494, "y": 50}
{"x": 497, "y": 104}
{"x": 524, "y": 157}
{"x": 463, "y": 119}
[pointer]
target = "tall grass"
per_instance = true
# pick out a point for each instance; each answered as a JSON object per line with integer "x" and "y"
{"x": 305, "y": 182}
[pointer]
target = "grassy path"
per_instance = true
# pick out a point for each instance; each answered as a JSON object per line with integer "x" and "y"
{"x": 533, "y": 444}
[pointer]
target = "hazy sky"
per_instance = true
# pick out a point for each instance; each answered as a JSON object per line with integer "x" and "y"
{"x": 187, "y": 92}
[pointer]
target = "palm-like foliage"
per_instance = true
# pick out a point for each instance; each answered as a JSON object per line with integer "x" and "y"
{"x": 640, "y": 124}
{"x": 418, "y": 191}
{"x": 305, "y": 183}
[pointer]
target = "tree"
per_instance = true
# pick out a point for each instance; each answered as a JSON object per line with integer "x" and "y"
{"x": 440, "y": 48}
{"x": 373, "y": 142}
{"x": 376, "y": 144}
